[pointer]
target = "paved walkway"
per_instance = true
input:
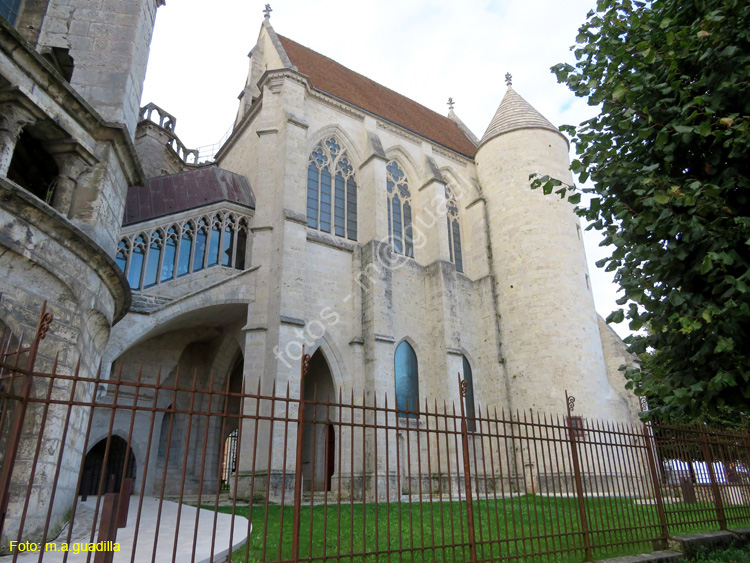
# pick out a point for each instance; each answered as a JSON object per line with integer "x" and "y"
{"x": 146, "y": 531}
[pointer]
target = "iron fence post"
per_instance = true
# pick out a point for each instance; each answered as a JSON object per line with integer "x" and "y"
{"x": 571, "y": 401}
{"x": 14, "y": 436}
{"x": 709, "y": 458}
{"x": 657, "y": 486}
{"x": 298, "y": 461}
{"x": 467, "y": 473}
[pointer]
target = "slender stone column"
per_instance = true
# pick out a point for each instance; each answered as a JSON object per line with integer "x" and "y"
{"x": 73, "y": 161}
{"x": 13, "y": 118}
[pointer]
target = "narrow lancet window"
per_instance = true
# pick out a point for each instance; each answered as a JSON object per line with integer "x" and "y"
{"x": 136, "y": 262}
{"x": 170, "y": 253}
{"x": 399, "y": 210}
{"x": 331, "y": 190}
{"x": 201, "y": 238}
{"x": 154, "y": 257}
{"x": 454, "y": 230}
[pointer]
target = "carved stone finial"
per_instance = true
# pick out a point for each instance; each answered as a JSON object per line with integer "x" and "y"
{"x": 451, "y": 103}
{"x": 267, "y": 11}
{"x": 508, "y": 79}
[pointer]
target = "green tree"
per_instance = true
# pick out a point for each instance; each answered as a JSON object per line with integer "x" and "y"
{"x": 669, "y": 159}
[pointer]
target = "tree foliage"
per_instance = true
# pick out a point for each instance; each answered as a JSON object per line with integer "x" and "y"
{"x": 669, "y": 159}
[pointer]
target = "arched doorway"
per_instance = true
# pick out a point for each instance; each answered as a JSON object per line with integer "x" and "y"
{"x": 93, "y": 473}
{"x": 229, "y": 452}
{"x": 319, "y": 435}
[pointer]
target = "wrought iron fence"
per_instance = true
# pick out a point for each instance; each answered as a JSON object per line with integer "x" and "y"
{"x": 338, "y": 477}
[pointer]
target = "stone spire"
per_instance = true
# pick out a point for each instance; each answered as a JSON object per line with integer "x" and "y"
{"x": 515, "y": 113}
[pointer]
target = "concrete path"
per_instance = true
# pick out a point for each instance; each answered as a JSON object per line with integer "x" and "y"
{"x": 146, "y": 532}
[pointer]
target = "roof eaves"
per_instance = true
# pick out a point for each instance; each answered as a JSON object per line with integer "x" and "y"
{"x": 410, "y": 131}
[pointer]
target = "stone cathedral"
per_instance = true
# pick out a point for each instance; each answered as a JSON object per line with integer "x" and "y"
{"x": 395, "y": 246}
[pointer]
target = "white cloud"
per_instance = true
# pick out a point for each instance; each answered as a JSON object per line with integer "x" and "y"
{"x": 426, "y": 50}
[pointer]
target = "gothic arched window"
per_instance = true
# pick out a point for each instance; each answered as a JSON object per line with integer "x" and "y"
{"x": 213, "y": 252}
{"x": 469, "y": 399}
{"x": 330, "y": 180}
{"x": 454, "y": 230}
{"x": 186, "y": 247}
{"x": 227, "y": 247}
{"x": 136, "y": 262}
{"x": 239, "y": 262}
{"x": 170, "y": 253}
{"x": 399, "y": 210}
{"x": 154, "y": 257}
{"x": 122, "y": 255}
{"x": 407, "y": 380}
{"x": 201, "y": 238}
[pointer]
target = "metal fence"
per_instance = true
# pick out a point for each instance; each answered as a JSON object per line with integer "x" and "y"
{"x": 344, "y": 478}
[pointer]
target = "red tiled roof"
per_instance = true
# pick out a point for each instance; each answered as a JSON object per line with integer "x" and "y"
{"x": 329, "y": 76}
{"x": 167, "y": 195}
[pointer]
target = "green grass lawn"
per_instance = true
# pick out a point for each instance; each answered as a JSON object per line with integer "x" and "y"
{"x": 732, "y": 555}
{"x": 527, "y": 528}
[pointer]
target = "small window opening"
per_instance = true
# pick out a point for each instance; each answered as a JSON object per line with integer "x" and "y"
{"x": 33, "y": 168}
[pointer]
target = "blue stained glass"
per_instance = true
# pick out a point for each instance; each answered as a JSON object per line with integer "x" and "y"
{"x": 457, "y": 247}
{"x": 351, "y": 208}
{"x": 408, "y": 247}
{"x": 186, "y": 245}
{"x": 200, "y": 250}
{"x": 226, "y": 258}
{"x": 170, "y": 251}
{"x": 407, "y": 380}
{"x": 397, "y": 240}
{"x": 122, "y": 260}
{"x": 339, "y": 203}
{"x": 213, "y": 253}
{"x": 152, "y": 266}
{"x": 312, "y": 195}
{"x": 9, "y": 9}
{"x": 325, "y": 200}
{"x": 450, "y": 238}
{"x": 136, "y": 265}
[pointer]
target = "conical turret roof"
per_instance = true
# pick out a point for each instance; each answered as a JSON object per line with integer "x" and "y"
{"x": 515, "y": 113}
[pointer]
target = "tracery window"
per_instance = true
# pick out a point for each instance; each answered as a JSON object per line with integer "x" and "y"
{"x": 399, "y": 210}
{"x": 154, "y": 257}
{"x": 186, "y": 249}
{"x": 135, "y": 263}
{"x": 201, "y": 239}
{"x": 170, "y": 254}
{"x": 454, "y": 230}
{"x": 213, "y": 253}
{"x": 406, "y": 370}
{"x": 331, "y": 190}
{"x": 165, "y": 253}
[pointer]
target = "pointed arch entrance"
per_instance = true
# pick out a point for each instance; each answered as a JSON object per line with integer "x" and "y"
{"x": 94, "y": 471}
{"x": 319, "y": 435}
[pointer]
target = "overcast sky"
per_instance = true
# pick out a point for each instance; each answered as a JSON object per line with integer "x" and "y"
{"x": 426, "y": 50}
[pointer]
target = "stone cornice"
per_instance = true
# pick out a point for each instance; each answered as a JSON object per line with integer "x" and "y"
{"x": 21, "y": 204}
{"x": 462, "y": 160}
{"x": 41, "y": 78}
{"x": 313, "y": 235}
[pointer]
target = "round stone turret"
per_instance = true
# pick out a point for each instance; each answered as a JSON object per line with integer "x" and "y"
{"x": 549, "y": 327}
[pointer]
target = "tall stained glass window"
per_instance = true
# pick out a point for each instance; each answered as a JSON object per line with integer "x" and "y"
{"x": 399, "y": 210}
{"x": 454, "y": 230}
{"x": 331, "y": 190}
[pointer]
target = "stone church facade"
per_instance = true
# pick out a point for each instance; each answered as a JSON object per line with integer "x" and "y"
{"x": 397, "y": 248}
